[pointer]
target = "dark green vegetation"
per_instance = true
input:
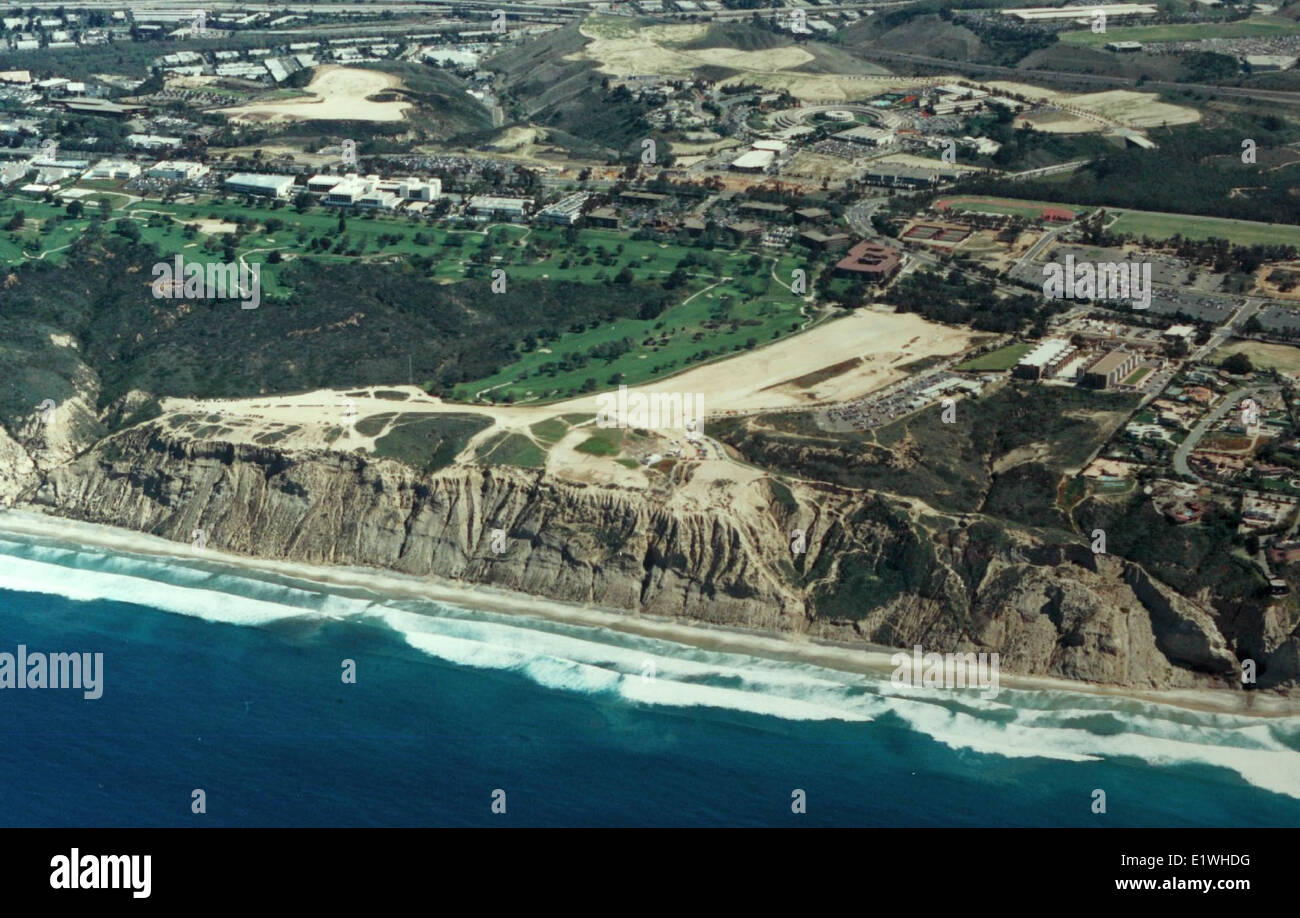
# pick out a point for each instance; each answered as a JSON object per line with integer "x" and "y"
{"x": 510, "y": 449}
{"x": 605, "y": 441}
{"x": 973, "y": 32}
{"x": 1188, "y": 558}
{"x": 930, "y": 28}
{"x": 342, "y": 324}
{"x": 878, "y": 555}
{"x": 1004, "y": 455}
{"x": 353, "y": 300}
{"x": 956, "y": 299}
{"x": 33, "y": 365}
{"x": 1028, "y": 149}
{"x": 429, "y": 442}
{"x": 1195, "y": 171}
{"x": 568, "y": 96}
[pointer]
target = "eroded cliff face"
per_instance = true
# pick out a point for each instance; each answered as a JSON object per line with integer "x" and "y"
{"x": 874, "y": 569}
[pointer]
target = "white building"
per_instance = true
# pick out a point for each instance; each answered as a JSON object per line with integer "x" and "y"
{"x": 177, "y": 170}
{"x": 867, "y": 136}
{"x": 378, "y": 199}
{"x": 413, "y": 189}
{"x": 266, "y": 186}
{"x": 350, "y": 190}
{"x": 753, "y": 161}
{"x": 321, "y": 184}
{"x": 566, "y": 211}
{"x": 113, "y": 170}
{"x": 152, "y": 141}
{"x": 492, "y": 206}
{"x": 1267, "y": 62}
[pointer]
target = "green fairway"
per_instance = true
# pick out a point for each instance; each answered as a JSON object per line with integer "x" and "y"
{"x": 719, "y": 301}
{"x": 728, "y": 305}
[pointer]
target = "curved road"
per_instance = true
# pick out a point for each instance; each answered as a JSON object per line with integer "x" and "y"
{"x": 1205, "y": 423}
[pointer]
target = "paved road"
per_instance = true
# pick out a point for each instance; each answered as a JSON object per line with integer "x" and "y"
{"x": 1072, "y": 166}
{"x": 1228, "y": 329}
{"x": 1205, "y": 423}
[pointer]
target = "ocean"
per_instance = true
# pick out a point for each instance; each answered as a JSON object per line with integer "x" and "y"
{"x": 230, "y": 682}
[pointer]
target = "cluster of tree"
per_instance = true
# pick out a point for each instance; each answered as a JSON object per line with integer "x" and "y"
{"x": 956, "y": 300}
{"x": 1195, "y": 170}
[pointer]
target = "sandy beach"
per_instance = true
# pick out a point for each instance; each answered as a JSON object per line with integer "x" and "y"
{"x": 865, "y": 660}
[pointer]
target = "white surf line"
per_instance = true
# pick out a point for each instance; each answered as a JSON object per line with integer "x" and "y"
{"x": 865, "y": 659}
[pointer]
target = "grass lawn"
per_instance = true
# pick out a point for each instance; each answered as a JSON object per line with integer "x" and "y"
{"x": 1002, "y": 359}
{"x": 1137, "y": 376}
{"x": 604, "y": 441}
{"x": 1270, "y": 356}
{"x": 719, "y": 314}
{"x": 1259, "y": 27}
{"x": 1013, "y": 206}
{"x": 511, "y": 449}
{"x": 1163, "y": 226}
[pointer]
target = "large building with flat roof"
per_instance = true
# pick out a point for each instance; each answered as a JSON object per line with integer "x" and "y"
{"x": 1084, "y": 12}
{"x": 486, "y": 205}
{"x": 1268, "y": 62}
{"x": 1046, "y": 358}
{"x": 753, "y": 161}
{"x": 265, "y": 186}
{"x": 1111, "y": 369}
{"x": 177, "y": 170}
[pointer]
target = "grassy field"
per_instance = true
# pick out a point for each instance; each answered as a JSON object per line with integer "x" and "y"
{"x": 1260, "y": 27}
{"x": 1011, "y": 206}
{"x": 1002, "y": 359}
{"x": 1137, "y": 376}
{"x": 604, "y": 441}
{"x": 511, "y": 449}
{"x": 1163, "y": 226}
{"x": 1271, "y": 356}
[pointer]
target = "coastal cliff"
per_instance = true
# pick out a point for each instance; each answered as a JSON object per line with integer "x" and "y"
{"x": 871, "y": 568}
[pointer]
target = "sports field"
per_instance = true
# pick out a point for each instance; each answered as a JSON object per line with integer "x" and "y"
{"x": 1271, "y": 356}
{"x": 1163, "y": 226}
{"x": 1260, "y": 27}
{"x": 1011, "y": 206}
{"x": 1002, "y": 359}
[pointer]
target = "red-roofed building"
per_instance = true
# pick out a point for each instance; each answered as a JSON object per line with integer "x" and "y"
{"x": 870, "y": 259}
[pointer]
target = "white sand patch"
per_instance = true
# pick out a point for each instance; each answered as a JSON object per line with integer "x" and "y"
{"x": 214, "y": 227}
{"x": 1135, "y": 109}
{"x": 335, "y": 94}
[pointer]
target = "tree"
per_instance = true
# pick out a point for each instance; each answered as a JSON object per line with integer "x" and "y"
{"x": 1238, "y": 365}
{"x": 128, "y": 229}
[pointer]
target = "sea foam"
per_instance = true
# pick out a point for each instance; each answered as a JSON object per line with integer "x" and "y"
{"x": 639, "y": 670}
